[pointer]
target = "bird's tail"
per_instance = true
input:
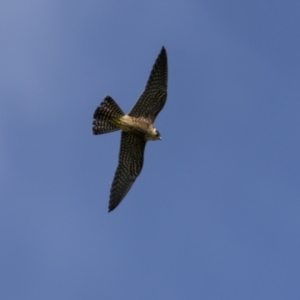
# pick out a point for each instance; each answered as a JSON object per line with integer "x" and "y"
{"x": 105, "y": 116}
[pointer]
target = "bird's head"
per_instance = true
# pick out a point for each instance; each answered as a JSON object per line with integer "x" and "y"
{"x": 153, "y": 135}
{"x": 157, "y": 135}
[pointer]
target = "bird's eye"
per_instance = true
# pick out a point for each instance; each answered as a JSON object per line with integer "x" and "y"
{"x": 157, "y": 133}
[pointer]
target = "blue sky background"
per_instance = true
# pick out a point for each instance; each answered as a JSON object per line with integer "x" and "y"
{"x": 215, "y": 213}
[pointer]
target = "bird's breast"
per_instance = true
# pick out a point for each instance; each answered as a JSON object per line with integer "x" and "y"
{"x": 138, "y": 126}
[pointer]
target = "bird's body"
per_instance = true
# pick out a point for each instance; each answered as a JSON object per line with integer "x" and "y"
{"x": 137, "y": 128}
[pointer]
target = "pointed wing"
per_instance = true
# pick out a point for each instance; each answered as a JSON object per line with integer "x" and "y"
{"x": 131, "y": 158}
{"x": 153, "y": 99}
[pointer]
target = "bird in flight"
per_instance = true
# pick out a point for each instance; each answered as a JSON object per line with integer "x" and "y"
{"x": 137, "y": 128}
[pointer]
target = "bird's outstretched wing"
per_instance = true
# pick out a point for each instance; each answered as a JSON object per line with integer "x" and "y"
{"x": 153, "y": 99}
{"x": 131, "y": 158}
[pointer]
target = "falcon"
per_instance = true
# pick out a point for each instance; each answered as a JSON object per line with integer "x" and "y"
{"x": 137, "y": 128}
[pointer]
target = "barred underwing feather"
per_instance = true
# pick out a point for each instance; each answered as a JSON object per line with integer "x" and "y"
{"x": 153, "y": 99}
{"x": 131, "y": 158}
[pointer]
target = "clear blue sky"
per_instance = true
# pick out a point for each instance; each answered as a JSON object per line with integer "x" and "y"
{"x": 215, "y": 213}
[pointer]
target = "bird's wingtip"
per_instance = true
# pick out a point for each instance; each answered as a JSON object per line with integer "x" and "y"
{"x": 111, "y": 207}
